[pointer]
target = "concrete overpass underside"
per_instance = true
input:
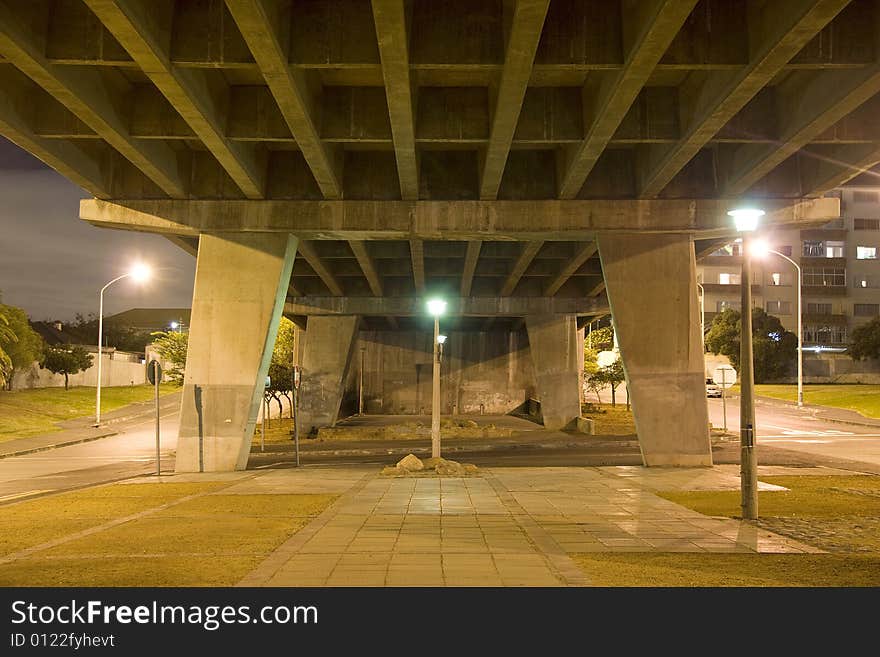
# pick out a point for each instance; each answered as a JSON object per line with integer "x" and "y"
{"x": 536, "y": 162}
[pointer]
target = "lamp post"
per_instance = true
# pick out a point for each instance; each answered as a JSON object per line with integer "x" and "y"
{"x": 761, "y": 249}
{"x": 746, "y": 220}
{"x": 436, "y": 307}
{"x": 702, "y": 317}
{"x": 139, "y": 273}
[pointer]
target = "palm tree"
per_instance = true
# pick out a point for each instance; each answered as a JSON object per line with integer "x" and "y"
{"x": 6, "y": 335}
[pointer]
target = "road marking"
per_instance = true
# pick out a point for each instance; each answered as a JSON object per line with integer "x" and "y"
{"x": 15, "y": 496}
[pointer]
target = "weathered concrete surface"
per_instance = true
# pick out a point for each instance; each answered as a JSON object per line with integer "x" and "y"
{"x": 241, "y": 281}
{"x": 651, "y": 284}
{"x": 553, "y": 341}
{"x": 328, "y": 346}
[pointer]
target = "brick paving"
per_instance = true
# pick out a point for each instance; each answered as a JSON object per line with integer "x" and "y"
{"x": 508, "y": 527}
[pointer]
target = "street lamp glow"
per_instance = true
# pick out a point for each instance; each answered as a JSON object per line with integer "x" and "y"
{"x": 441, "y": 339}
{"x": 174, "y": 325}
{"x": 140, "y": 272}
{"x": 759, "y": 249}
{"x": 746, "y": 219}
{"x": 436, "y": 307}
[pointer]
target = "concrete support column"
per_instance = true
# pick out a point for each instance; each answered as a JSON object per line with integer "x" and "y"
{"x": 241, "y": 283}
{"x": 652, "y": 290}
{"x": 327, "y": 351}
{"x": 555, "y": 350}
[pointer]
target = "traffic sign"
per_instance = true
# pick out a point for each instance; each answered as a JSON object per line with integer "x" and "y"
{"x": 724, "y": 376}
{"x": 152, "y": 369}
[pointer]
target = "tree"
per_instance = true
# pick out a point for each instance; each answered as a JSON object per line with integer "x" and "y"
{"x": 66, "y": 361}
{"x": 281, "y": 366}
{"x": 117, "y": 335}
{"x": 774, "y": 348}
{"x": 172, "y": 346}
{"x": 611, "y": 376}
{"x": 866, "y": 341}
{"x": 26, "y": 348}
{"x": 7, "y": 337}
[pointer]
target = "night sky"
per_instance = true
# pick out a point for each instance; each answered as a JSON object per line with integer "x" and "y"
{"x": 53, "y": 264}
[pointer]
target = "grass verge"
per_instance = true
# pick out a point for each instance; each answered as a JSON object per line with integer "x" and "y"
{"x": 862, "y": 398}
{"x": 26, "y": 413}
{"x": 211, "y": 540}
{"x": 610, "y": 420}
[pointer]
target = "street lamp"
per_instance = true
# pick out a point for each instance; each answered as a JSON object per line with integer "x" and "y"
{"x": 140, "y": 273}
{"x": 702, "y": 317}
{"x": 436, "y": 307}
{"x": 760, "y": 249}
{"x": 746, "y": 220}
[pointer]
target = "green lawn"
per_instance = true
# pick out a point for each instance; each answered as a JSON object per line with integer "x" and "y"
{"x": 31, "y": 412}
{"x": 862, "y": 398}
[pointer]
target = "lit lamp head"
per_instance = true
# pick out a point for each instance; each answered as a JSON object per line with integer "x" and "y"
{"x": 436, "y": 307}
{"x": 759, "y": 249}
{"x": 746, "y": 219}
{"x": 174, "y": 325}
{"x": 441, "y": 339}
{"x": 140, "y": 272}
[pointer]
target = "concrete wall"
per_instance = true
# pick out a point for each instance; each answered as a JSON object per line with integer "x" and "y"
{"x": 488, "y": 371}
{"x": 118, "y": 369}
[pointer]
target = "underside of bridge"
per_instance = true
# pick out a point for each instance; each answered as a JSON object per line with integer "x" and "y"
{"x": 536, "y": 162}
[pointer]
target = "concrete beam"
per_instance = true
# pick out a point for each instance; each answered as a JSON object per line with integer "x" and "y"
{"x": 470, "y": 266}
{"x": 417, "y": 256}
{"x": 367, "y": 265}
{"x": 583, "y": 254}
{"x": 652, "y": 27}
{"x": 391, "y": 32}
{"x": 556, "y": 351}
{"x": 187, "y": 244}
{"x": 653, "y": 278}
{"x": 445, "y": 220}
{"x": 457, "y": 306}
{"x": 142, "y": 28}
{"x": 307, "y": 251}
{"x": 67, "y": 158}
{"x": 529, "y": 251}
{"x": 833, "y": 170}
{"x": 88, "y": 95}
{"x": 525, "y": 33}
{"x": 262, "y": 25}
{"x": 778, "y": 31}
{"x": 240, "y": 285}
{"x": 808, "y": 106}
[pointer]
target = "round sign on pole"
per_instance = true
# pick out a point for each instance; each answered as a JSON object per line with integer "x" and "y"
{"x": 152, "y": 369}
{"x": 724, "y": 376}
{"x": 606, "y": 358}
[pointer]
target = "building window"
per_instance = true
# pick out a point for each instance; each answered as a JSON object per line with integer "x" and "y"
{"x": 813, "y": 249}
{"x": 866, "y": 281}
{"x": 834, "y": 249}
{"x": 779, "y": 278}
{"x": 728, "y": 279}
{"x": 824, "y": 276}
{"x": 785, "y": 250}
{"x": 732, "y": 249}
{"x": 819, "y": 334}
{"x": 866, "y": 197}
{"x": 818, "y": 308}
{"x": 779, "y": 307}
{"x": 866, "y": 309}
{"x": 866, "y": 252}
{"x": 721, "y": 306}
{"x": 866, "y": 224}
{"x": 823, "y": 249}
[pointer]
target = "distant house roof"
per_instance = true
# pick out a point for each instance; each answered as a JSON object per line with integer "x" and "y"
{"x": 150, "y": 319}
{"x": 53, "y": 335}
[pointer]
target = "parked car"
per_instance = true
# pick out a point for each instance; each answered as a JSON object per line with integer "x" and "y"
{"x": 712, "y": 390}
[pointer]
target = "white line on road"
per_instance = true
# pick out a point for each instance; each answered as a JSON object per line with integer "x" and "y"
{"x": 16, "y": 496}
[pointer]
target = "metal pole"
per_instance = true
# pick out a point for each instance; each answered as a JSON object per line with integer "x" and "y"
{"x": 263, "y": 427}
{"x": 435, "y": 397}
{"x": 100, "y": 341}
{"x": 295, "y": 426}
{"x": 800, "y": 342}
{"x": 361, "y": 385}
{"x": 158, "y": 453}
{"x": 724, "y": 397}
{"x": 702, "y": 317}
{"x": 748, "y": 458}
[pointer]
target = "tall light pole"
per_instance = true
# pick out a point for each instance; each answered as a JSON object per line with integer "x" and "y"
{"x": 139, "y": 273}
{"x": 702, "y": 317}
{"x": 436, "y": 307}
{"x": 746, "y": 220}
{"x": 760, "y": 249}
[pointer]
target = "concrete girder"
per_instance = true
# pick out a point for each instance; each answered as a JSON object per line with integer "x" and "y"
{"x": 525, "y": 33}
{"x": 779, "y": 32}
{"x": 417, "y": 257}
{"x": 141, "y": 27}
{"x": 359, "y": 248}
{"x": 188, "y": 244}
{"x": 470, "y": 266}
{"x": 89, "y": 96}
{"x": 413, "y": 306}
{"x": 260, "y": 26}
{"x": 583, "y": 254}
{"x": 392, "y": 34}
{"x": 844, "y": 164}
{"x": 445, "y": 220}
{"x": 810, "y": 105}
{"x": 307, "y": 251}
{"x": 653, "y": 27}
{"x": 529, "y": 251}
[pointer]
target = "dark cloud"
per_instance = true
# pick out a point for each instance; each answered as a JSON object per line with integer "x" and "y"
{"x": 53, "y": 264}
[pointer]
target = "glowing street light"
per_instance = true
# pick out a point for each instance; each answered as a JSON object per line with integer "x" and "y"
{"x": 140, "y": 273}
{"x": 436, "y": 307}
{"x": 760, "y": 249}
{"x": 746, "y": 220}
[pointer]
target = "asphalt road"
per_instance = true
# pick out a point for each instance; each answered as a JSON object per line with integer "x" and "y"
{"x": 790, "y": 427}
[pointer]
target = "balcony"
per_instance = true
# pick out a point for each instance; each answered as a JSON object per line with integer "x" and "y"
{"x": 825, "y": 320}
{"x": 824, "y": 290}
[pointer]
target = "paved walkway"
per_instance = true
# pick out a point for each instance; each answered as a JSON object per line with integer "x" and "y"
{"x": 507, "y": 527}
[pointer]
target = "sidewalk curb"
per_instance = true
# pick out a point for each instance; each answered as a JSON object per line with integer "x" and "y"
{"x": 772, "y": 401}
{"x": 66, "y": 443}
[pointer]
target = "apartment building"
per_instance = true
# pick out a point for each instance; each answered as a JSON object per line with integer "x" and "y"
{"x": 840, "y": 266}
